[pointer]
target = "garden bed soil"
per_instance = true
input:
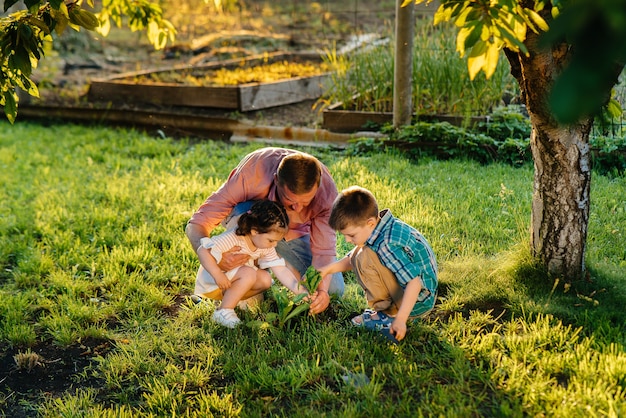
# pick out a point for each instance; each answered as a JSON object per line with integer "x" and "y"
{"x": 190, "y": 85}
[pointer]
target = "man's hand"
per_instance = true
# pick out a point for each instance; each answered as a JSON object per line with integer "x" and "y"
{"x": 320, "y": 302}
{"x": 232, "y": 258}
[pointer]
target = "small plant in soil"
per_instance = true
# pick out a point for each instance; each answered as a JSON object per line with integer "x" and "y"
{"x": 289, "y": 307}
{"x": 28, "y": 360}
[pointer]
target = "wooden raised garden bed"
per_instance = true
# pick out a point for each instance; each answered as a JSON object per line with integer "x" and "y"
{"x": 336, "y": 119}
{"x": 173, "y": 87}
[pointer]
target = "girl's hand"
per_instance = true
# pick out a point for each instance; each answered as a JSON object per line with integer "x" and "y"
{"x": 222, "y": 282}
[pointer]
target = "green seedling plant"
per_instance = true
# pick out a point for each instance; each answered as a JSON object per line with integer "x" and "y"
{"x": 312, "y": 279}
{"x": 289, "y": 307}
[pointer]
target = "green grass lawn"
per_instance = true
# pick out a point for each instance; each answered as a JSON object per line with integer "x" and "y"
{"x": 93, "y": 259}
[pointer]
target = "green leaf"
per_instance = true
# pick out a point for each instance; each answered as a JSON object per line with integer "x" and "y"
{"x": 83, "y": 18}
{"x": 56, "y": 4}
{"x": 468, "y": 36}
{"x": 443, "y": 14}
{"x": 297, "y": 311}
{"x": 25, "y": 32}
{"x": 10, "y": 105}
{"x": 299, "y": 298}
{"x": 477, "y": 58}
{"x": 491, "y": 59}
{"x": 538, "y": 20}
{"x": 511, "y": 41}
{"x": 312, "y": 279}
{"x": 20, "y": 60}
{"x": 258, "y": 324}
{"x": 613, "y": 108}
{"x": 30, "y": 86}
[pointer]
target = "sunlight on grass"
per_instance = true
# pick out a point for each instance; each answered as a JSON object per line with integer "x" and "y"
{"x": 92, "y": 248}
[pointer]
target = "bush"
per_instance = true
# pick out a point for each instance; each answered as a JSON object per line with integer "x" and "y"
{"x": 504, "y": 136}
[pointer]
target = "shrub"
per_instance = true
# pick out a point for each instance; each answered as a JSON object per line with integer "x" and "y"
{"x": 504, "y": 136}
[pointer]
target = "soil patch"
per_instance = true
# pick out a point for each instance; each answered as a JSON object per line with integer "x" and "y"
{"x": 45, "y": 371}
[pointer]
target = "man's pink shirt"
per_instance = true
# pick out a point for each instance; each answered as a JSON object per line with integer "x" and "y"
{"x": 253, "y": 179}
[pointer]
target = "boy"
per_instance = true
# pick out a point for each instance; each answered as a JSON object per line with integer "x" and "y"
{"x": 392, "y": 261}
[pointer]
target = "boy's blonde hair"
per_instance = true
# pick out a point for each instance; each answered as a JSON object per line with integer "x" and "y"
{"x": 353, "y": 207}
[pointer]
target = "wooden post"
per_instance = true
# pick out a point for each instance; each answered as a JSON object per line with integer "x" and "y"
{"x": 403, "y": 68}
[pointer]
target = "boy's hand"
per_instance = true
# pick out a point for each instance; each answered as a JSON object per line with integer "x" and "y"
{"x": 324, "y": 271}
{"x": 232, "y": 258}
{"x": 398, "y": 329}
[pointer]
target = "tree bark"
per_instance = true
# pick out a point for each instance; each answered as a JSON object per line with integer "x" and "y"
{"x": 561, "y": 187}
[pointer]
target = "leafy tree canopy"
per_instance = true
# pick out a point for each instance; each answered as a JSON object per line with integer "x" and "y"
{"x": 23, "y": 35}
{"x": 595, "y": 29}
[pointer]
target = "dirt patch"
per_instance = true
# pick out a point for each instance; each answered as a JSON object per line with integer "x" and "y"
{"x": 29, "y": 375}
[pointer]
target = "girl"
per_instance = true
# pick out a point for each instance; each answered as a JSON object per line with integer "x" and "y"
{"x": 257, "y": 233}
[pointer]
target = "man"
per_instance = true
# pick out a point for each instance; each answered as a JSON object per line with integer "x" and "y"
{"x": 304, "y": 186}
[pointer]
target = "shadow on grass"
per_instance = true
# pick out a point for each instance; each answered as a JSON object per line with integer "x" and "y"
{"x": 595, "y": 304}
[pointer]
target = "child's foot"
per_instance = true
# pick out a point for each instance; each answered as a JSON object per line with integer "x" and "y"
{"x": 370, "y": 318}
{"x": 377, "y": 321}
{"x": 226, "y": 317}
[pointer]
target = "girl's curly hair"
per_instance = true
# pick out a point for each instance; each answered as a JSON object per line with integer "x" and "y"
{"x": 264, "y": 216}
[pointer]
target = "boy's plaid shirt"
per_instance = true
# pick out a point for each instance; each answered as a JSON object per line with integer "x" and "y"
{"x": 404, "y": 251}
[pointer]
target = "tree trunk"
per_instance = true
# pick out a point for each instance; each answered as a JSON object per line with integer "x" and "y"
{"x": 561, "y": 188}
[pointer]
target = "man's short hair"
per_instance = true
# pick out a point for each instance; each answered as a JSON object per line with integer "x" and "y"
{"x": 299, "y": 172}
{"x": 353, "y": 207}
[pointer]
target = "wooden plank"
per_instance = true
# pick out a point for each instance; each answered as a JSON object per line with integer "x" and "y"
{"x": 161, "y": 94}
{"x": 352, "y": 121}
{"x": 256, "y": 96}
{"x": 192, "y": 125}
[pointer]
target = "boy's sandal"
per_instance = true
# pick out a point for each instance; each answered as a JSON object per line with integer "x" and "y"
{"x": 359, "y": 320}
{"x": 382, "y": 323}
{"x": 367, "y": 320}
